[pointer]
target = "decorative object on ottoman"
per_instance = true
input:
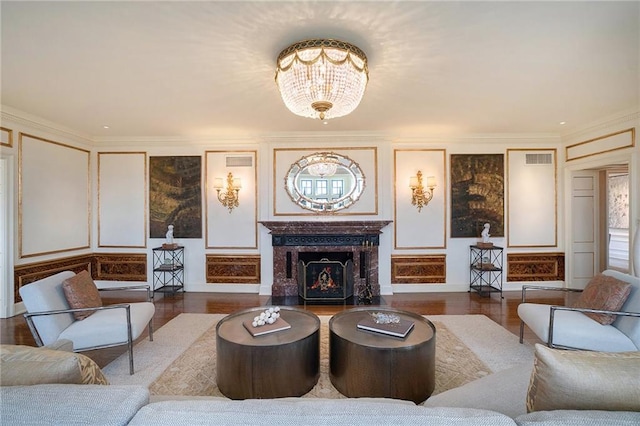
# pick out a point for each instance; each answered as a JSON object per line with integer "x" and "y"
{"x": 386, "y": 323}
{"x": 267, "y": 322}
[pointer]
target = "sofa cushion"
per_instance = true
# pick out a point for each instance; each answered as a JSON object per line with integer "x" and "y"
{"x": 100, "y": 328}
{"x": 71, "y": 404}
{"x": 310, "y": 411}
{"x": 507, "y": 396}
{"x": 579, "y": 417}
{"x": 606, "y": 293}
{"x": 584, "y": 380}
{"x": 81, "y": 292}
{"x": 27, "y": 365}
{"x": 573, "y": 329}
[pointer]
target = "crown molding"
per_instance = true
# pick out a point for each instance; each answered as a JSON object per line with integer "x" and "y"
{"x": 487, "y": 138}
{"x": 37, "y": 123}
{"x": 603, "y": 125}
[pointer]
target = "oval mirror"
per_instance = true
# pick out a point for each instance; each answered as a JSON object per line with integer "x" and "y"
{"x": 324, "y": 182}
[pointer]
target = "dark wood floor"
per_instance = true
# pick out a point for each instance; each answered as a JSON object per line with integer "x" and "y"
{"x": 504, "y": 312}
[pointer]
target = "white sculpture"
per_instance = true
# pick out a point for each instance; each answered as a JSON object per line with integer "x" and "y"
{"x": 170, "y": 235}
{"x": 485, "y": 233}
{"x": 269, "y": 316}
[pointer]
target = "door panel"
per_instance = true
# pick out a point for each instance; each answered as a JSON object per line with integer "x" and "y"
{"x": 584, "y": 227}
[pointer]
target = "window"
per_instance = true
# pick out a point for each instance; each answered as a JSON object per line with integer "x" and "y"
{"x": 337, "y": 188}
{"x": 306, "y": 187}
{"x": 321, "y": 187}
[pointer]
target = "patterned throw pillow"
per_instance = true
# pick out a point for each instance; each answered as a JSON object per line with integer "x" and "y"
{"x": 81, "y": 292}
{"x": 606, "y": 293}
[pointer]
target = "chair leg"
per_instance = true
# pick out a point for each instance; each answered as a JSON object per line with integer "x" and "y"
{"x": 130, "y": 348}
{"x": 129, "y": 340}
{"x": 521, "y": 331}
{"x": 151, "y": 330}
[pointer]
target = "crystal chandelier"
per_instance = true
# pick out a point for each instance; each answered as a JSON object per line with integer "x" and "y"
{"x": 322, "y": 169}
{"x": 324, "y": 165}
{"x": 322, "y": 78}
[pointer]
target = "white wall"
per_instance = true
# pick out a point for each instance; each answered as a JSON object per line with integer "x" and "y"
{"x": 394, "y": 159}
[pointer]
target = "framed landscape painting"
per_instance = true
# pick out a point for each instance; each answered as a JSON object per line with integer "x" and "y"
{"x": 175, "y": 196}
{"x": 477, "y": 194}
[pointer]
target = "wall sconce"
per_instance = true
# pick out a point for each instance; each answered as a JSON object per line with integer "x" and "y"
{"x": 419, "y": 196}
{"x": 229, "y": 198}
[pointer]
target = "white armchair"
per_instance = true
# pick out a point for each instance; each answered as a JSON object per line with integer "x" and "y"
{"x": 569, "y": 328}
{"x": 50, "y": 318}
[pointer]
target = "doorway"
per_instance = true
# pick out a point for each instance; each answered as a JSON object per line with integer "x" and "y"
{"x": 616, "y": 220}
{"x": 599, "y": 225}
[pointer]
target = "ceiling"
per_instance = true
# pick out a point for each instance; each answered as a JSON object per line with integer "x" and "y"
{"x": 206, "y": 68}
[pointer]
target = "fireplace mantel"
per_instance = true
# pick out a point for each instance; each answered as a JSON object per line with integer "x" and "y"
{"x": 326, "y": 228}
{"x": 289, "y": 239}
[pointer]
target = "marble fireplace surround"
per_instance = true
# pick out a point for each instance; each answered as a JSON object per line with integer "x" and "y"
{"x": 290, "y": 238}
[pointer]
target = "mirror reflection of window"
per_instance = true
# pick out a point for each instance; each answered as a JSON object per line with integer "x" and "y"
{"x": 306, "y": 186}
{"x": 337, "y": 188}
{"x": 321, "y": 187}
{"x": 321, "y": 193}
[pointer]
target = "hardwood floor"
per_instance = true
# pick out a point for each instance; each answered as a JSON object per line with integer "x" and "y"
{"x": 14, "y": 330}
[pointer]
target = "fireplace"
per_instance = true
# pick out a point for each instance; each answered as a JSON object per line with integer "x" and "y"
{"x": 296, "y": 243}
{"x": 325, "y": 275}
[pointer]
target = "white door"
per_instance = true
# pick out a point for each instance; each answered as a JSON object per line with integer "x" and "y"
{"x": 584, "y": 228}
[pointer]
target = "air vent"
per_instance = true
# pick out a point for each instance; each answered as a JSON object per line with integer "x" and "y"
{"x": 538, "y": 159}
{"x": 244, "y": 161}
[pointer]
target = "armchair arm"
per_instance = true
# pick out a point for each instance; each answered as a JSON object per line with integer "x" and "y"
{"x": 29, "y": 317}
{"x": 131, "y": 287}
{"x": 553, "y": 310}
{"x": 537, "y": 287}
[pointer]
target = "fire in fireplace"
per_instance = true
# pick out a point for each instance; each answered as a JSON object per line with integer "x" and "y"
{"x": 325, "y": 275}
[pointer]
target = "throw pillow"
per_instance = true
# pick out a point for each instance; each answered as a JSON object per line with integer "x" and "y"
{"x": 26, "y": 365}
{"x": 605, "y": 293}
{"x": 81, "y": 292}
{"x": 584, "y": 380}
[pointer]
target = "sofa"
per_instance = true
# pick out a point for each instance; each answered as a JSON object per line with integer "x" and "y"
{"x": 42, "y": 386}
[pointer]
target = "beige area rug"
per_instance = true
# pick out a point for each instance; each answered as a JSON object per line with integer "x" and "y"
{"x": 181, "y": 360}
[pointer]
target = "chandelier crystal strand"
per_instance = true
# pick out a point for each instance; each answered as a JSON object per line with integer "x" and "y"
{"x": 322, "y": 78}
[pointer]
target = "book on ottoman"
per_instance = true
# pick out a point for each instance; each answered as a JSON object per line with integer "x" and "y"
{"x": 279, "y": 325}
{"x": 397, "y": 329}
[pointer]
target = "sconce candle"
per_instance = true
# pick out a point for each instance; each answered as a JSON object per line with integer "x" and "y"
{"x": 228, "y": 198}
{"x": 420, "y": 196}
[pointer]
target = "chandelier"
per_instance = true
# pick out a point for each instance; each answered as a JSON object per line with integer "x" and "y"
{"x": 322, "y": 78}
{"x": 323, "y": 165}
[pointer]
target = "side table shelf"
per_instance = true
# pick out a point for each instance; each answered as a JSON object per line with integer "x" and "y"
{"x": 485, "y": 270}
{"x": 168, "y": 269}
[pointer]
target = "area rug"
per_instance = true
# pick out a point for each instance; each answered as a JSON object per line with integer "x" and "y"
{"x": 181, "y": 360}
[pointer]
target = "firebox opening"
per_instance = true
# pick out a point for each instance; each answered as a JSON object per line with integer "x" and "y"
{"x": 325, "y": 275}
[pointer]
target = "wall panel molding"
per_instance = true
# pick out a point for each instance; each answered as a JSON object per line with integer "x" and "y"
{"x": 419, "y": 269}
{"x": 101, "y": 266}
{"x": 535, "y": 267}
{"x": 236, "y": 269}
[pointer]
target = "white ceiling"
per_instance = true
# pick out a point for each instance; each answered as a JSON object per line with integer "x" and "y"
{"x": 206, "y": 68}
